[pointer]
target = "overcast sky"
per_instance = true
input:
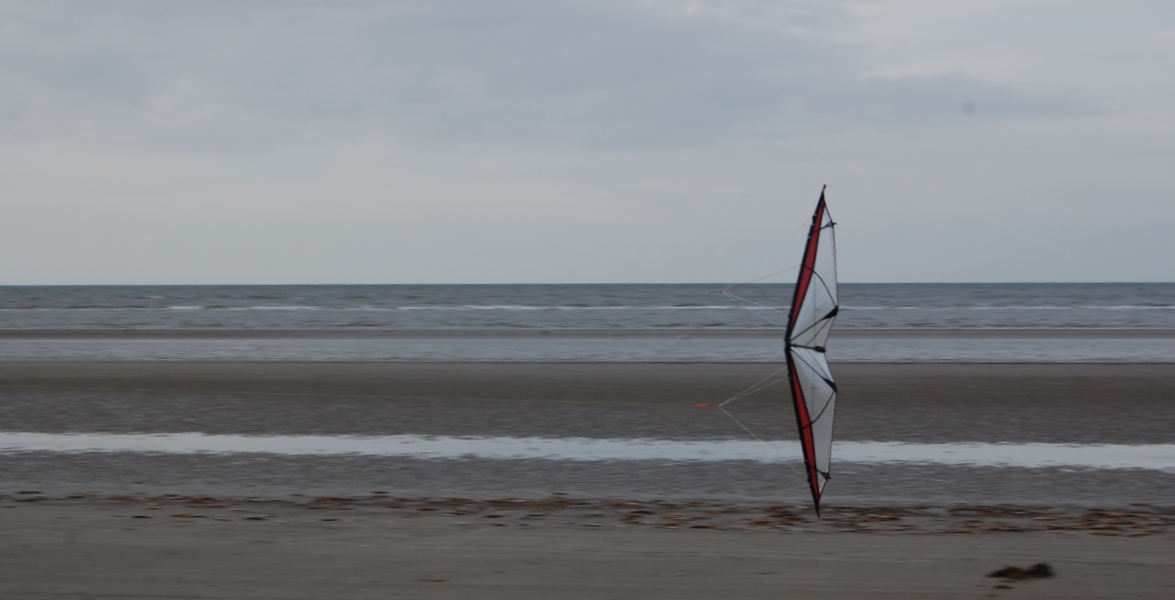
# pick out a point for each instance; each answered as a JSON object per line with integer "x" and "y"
{"x": 466, "y": 141}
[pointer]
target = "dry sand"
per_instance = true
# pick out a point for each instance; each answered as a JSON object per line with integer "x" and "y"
{"x": 381, "y": 547}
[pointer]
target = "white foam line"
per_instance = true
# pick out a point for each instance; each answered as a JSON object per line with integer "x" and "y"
{"x": 1105, "y": 456}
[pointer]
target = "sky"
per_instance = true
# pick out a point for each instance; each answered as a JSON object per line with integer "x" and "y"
{"x": 539, "y": 141}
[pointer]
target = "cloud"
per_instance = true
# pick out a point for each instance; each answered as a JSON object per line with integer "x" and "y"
{"x": 599, "y": 74}
{"x": 613, "y": 140}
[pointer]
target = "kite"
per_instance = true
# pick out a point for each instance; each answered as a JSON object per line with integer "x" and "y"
{"x": 815, "y": 304}
{"x": 814, "y": 307}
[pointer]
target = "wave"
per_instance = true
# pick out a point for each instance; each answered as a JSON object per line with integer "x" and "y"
{"x": 562, "y": 307}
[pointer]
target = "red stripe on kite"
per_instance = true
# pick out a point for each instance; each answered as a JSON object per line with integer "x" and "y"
{"x": 803, "y": 419}
{"x": 807, "y": 266}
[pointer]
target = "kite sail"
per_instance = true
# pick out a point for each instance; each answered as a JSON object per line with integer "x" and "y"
{"x": 814, "y": 306}
{"x": 813, "y": 309}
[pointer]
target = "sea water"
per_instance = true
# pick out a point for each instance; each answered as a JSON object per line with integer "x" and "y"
{"x": 1132, "y": 322}
{"x": 599, "y": 323}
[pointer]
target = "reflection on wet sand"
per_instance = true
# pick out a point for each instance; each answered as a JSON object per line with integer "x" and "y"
{"x": 1027, "y": 455}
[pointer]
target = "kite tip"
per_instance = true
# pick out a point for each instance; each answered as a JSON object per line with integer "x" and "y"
{"x": 702, "y": 405}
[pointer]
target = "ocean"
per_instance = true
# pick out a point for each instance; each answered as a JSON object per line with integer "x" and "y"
{"x": 949, "y": 393}
{"x": 1124, "y": 322}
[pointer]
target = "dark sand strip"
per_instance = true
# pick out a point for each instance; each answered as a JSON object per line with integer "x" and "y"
{"x": 504, "y": 333}
{"x": 1059, "y": 403}
{"x": 205, "y": 548}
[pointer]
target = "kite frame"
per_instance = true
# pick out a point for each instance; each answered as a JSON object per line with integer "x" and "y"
{"x": 804, "y": 420}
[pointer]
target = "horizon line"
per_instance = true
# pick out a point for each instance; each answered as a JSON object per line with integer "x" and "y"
{"x": 714, "y": 283}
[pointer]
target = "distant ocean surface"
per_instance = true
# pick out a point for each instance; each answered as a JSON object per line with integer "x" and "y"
{"x": 1123, "y": 322}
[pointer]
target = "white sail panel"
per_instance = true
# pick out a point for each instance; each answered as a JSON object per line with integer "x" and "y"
{"x": 818, "y": 306}
{"x": 819, "y": 402}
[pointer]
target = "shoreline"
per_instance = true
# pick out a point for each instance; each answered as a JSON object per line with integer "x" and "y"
{"x": 510, "y": 333}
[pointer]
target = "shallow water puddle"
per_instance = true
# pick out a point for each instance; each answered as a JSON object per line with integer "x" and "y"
{"x": 1108, "y": 456}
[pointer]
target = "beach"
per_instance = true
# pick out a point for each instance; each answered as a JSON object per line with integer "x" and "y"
{"x": 379, "y": 547}
{"x": 520, "y": 442}
{"x": 908, "y": 403}
{"x": 129, "y": 524}
{"x": 1064, "y": 403}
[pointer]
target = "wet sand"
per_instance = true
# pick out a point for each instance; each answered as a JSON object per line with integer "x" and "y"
{"x": 654, "y": 529}
{"x": 1058, "y": 403}
{"x": 1078, "y": 404}
{"x": 379, "y": 547}
{"x": 458, "y": 333}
